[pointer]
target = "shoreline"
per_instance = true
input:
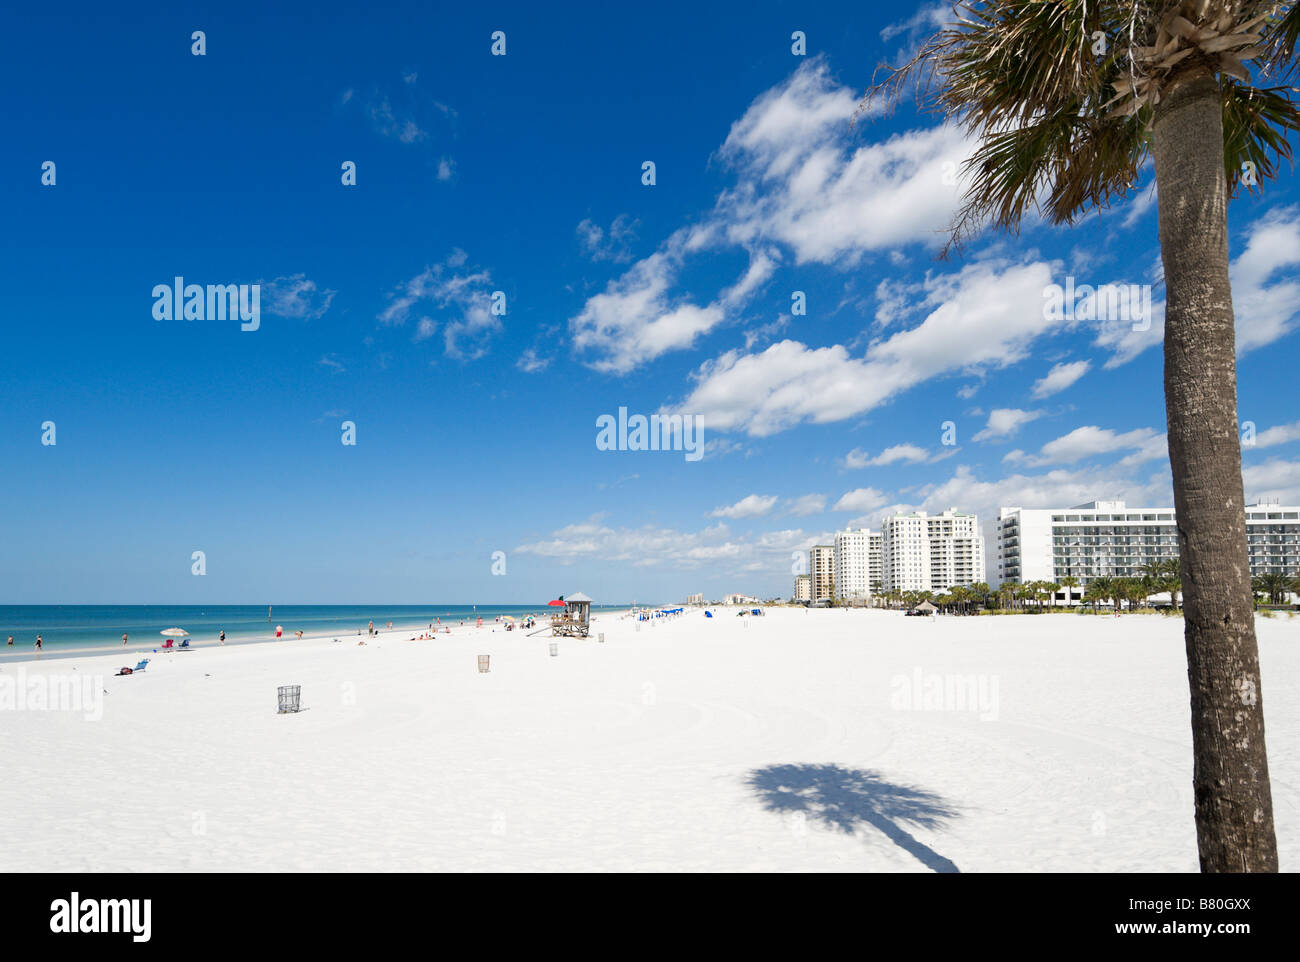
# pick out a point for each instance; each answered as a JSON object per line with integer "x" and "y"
{"x": 18, "y": 657}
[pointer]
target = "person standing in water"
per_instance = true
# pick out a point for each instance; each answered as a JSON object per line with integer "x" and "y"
{"x": 11, "y": 639}
{"x": 222, "y": 637}
{"x": 124, "y": 637}
{"x": 278, "y": 631}
{"x": 39, "y": 643}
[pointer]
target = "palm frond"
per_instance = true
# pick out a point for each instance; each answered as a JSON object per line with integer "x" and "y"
{"x": 1062, "y": 123}
{"x": 1256, "y": 121}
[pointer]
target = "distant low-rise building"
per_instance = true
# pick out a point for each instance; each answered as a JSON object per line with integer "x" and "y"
{"x": 803, "y": 587}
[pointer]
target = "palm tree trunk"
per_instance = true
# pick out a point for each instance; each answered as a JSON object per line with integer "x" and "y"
{"x": 1234, "y": 805}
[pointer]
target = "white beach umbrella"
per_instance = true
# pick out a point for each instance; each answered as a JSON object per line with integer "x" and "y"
{"x": 174, "y": 633}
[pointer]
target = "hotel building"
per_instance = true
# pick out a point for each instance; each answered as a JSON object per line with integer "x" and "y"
{"x": 803, "y": 588}
{"x": 1108, "y": 539}
{"x": 921, "y": 552}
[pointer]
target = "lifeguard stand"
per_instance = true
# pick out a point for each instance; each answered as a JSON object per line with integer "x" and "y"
{"x": 575, "y": 622}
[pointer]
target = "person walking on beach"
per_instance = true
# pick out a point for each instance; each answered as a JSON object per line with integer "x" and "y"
{"x": 370, "y": 629}
{"x": 222, "y": 637}
{"x": 124, "y": 637}
{"x": 38, "y": 643}
{"x": 278, "y": 631}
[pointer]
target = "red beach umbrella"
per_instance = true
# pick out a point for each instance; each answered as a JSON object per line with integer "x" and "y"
{"x": 557, "y": 603}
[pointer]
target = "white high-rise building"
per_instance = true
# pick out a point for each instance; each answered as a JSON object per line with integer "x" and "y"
{"x": 920, "y": 552}
{"x": 857, "y": 563}
{"x": 956, "y": 550}
{"x": 1108, "y": 539}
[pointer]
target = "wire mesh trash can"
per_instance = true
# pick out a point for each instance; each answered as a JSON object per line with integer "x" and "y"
{"x": 290, "y": 698}
{"x": 483, "y": 662}
{"x": 555, "y": 649}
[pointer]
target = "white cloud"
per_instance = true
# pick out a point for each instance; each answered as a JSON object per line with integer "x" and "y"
{"x": 424, "y": 330}
{"x": 1006, "y": 422}
{"x": 984, "y": 316}
{"x": 1272, "y": 481}
{"x": 806, "y": 504}
{"x": 898, "y": 452}
{"x": 1142, "y": 445}
{"x": 446, "y": 168}
{"x": 753, "y": 506}
{"x": 635, "y": 320}
{"x": 1266, "y": 311}
{"x": 1278, "y": 434}
{"x": 925, "y": 20}
{"x": 467, "y": 297}
{"x": 613, "y": 244}
{"x": 802, "y": 184}
{"x": 530, "y": 363}
{"x": 295, "y": 296}
{"x": 1144, "y": 200}
{"x": 805, "y": 185}
{"x": 864, "y": 500}
{"x": 1060, "y": 377}
{"x": 1264, "y": 304}
{"x": 649, "y": 546}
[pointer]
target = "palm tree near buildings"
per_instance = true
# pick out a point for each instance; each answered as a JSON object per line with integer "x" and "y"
{"x": 1063, "y": 125}
{"x": 1024, "y": 593}
{"x": 1069, "y": 583}
{"x": 1006, "y": 591}
{"x": 1096, "y": 592}
{"x": 1136, "y": 591}
{"x": 1173, "y": 580}
{"x": 1274, "y": 586}
{"x": 1102, "y": 589}
{"x": 1120, "y": 591}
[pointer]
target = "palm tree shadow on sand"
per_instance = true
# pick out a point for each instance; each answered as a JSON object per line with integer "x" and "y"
{"x": 846, "y": 798}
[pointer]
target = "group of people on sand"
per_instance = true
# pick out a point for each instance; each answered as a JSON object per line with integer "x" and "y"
{"x": 429, "y": 635}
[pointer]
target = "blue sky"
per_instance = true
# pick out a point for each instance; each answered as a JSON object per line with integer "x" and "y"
{"x": 523, "y": 174}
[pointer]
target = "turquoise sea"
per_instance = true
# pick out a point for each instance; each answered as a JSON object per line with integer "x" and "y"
{"x": 66, "y": 628}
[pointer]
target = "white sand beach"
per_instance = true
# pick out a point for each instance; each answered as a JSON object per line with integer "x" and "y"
{"x": 798, "y": 741}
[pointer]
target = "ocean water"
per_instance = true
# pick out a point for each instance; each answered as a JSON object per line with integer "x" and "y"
{"x": 66, "y": 628}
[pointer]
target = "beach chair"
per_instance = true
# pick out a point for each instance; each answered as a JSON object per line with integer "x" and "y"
{"x": 185, "y": 646}
{"x": 168, "y": 645}
{"x": 137, "y": 669}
